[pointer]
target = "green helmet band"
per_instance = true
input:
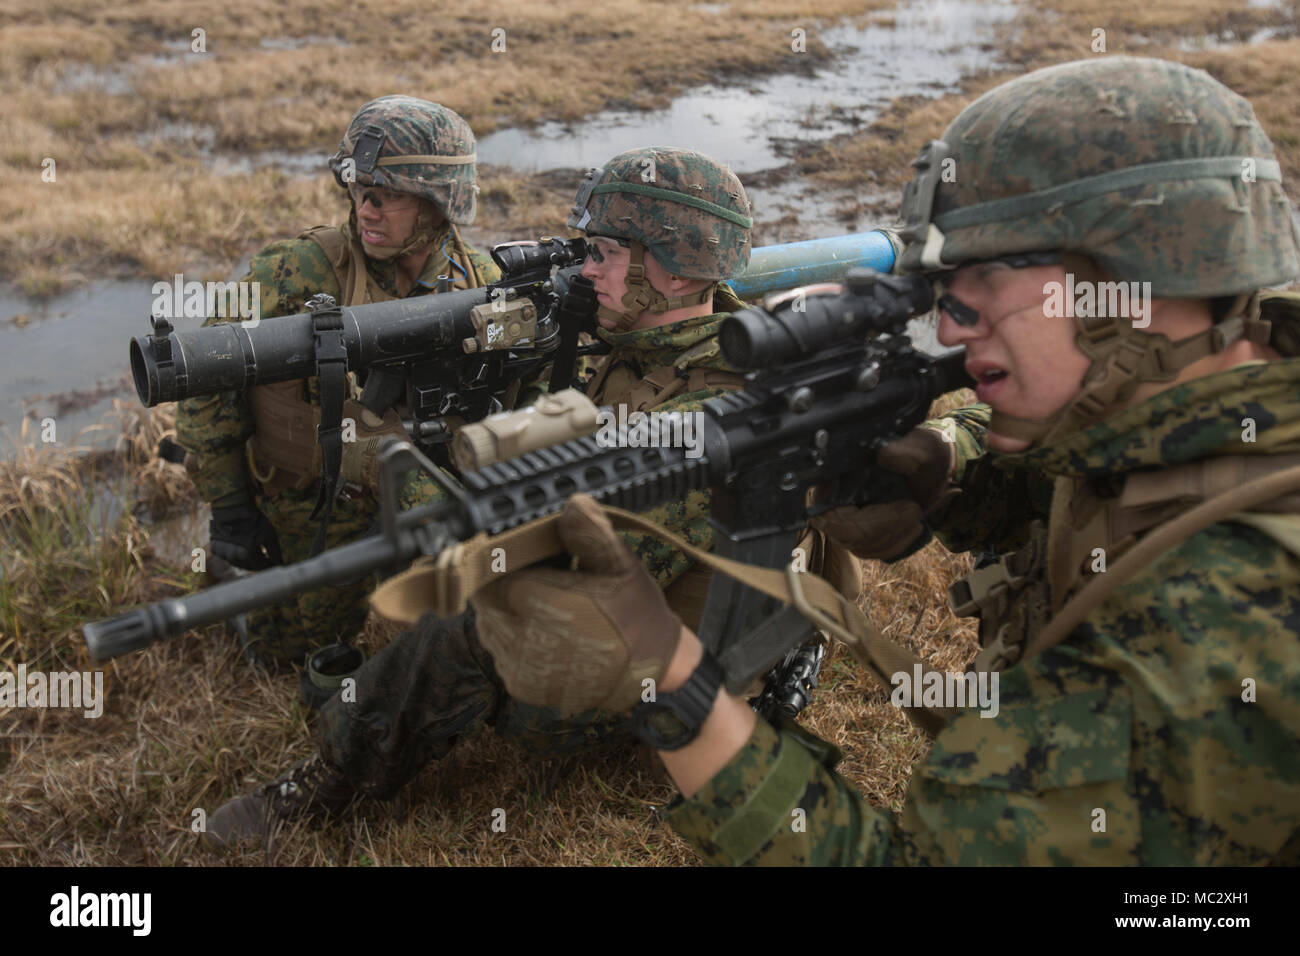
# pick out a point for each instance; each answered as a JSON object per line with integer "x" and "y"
{"x": 668, "y": 195}
{"x": 918, "y": 196}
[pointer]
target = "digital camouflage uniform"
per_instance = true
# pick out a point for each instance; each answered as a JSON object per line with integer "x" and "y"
{"x": 435, "y": 682}
{"x": 1165, "y": 727}
{"x": 1139, "y": 713}
{"x": 217, "y": 427}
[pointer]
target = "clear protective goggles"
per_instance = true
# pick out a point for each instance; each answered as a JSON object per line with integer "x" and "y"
{"x": 600, "y": 247}
{"x": 963, "y": 314}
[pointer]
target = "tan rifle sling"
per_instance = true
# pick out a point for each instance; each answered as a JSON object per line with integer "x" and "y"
{"x": 445, "y": 583}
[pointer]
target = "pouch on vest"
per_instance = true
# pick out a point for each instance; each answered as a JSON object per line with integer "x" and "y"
{"x": 283, "y": 451}
{"x": 1092, "y": 527}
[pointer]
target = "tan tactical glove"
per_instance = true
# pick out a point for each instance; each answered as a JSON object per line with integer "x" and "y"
{"x": 894, "y": 529}
{"x": 575, "y": 640}
{"x": 360, "y": 463}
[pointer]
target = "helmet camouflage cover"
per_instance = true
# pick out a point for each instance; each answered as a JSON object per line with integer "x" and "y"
{"x": 689, "y": 211}
{"x": 411, "y": 145}
{"x": 1153, "y": 169}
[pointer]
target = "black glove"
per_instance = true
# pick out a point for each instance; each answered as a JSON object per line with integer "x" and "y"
{"x": 243, "y": 536}
{"x": 896, "y": 529}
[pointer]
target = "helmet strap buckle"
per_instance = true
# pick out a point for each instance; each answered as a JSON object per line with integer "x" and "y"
{"x": 1157, "y": 361}
{"x": 365, "y": 154}
{"x": 1094, "y": 332}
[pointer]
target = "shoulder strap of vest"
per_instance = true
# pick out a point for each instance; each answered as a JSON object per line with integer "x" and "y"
{"x": 665, "y": 383}
{"x": 471, "y": 279}
{"x": 597, "y": 380}
{"x": 331, "y": 240}
{"x": 1271, "y": 486}
{"x": 348, "y": 271}
{"x": 672, "y": 380}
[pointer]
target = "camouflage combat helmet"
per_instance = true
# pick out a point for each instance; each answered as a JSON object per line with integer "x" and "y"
{"x": 1151, "y": 170}
{"x": 410, "y": 145}
{"x": 688, "y": 211}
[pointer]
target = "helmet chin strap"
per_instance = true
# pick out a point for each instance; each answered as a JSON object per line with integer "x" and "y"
{"x": 641, "y": 296}
{"x": 1122, "y": 359}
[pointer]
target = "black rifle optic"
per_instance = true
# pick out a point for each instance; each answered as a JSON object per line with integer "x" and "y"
{"x": 817, "y": 415}
{"x": 450, "y": 354}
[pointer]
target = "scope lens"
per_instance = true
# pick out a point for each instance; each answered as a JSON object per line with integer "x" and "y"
{"x": 140, "y": 372}
{"x": 736, "y": 339}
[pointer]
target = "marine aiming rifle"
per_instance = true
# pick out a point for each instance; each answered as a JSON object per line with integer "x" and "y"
{"x": 451, "y": 356}
{"x": 831, "y": 377}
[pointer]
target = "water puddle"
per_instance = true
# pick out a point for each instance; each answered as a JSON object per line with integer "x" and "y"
{"x": 175, "y": 536}
{"x": 924, "y": 48}
{"x": 111, "y": 80}
{"x": 291, "y": 164}
{"x": 1227, "y": 38}
{"x": 66, "y": 359}
{"x": 201, "y": 136}
{"x": 298, "y": 43}
{"x": 790, "y": 209}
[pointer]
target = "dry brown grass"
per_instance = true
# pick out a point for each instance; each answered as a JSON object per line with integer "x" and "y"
{"x": 186, "y": 725}
{"x": 129, "y": 113}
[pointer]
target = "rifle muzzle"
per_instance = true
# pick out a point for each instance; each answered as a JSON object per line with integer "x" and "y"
{"x": 115, "y": 636}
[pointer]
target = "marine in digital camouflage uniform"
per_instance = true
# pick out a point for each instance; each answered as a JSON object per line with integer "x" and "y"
{"x": 1009, "y": 498}
{"x": 1174, "y": 707}
{"x": 253, "y": 464}
{"x": 435, "y": 683}
{"x": 1146, "y": 714}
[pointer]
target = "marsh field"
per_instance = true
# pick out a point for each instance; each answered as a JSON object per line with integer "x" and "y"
{"x": 171, "y": 137}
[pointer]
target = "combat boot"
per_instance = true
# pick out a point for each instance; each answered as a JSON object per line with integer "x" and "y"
{"x": 310, "y": 788}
